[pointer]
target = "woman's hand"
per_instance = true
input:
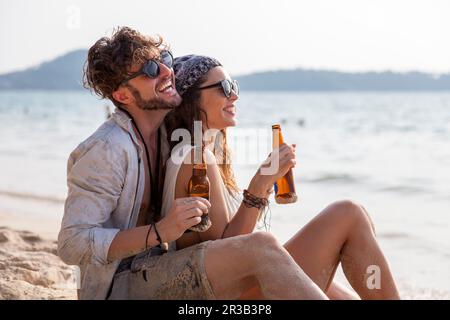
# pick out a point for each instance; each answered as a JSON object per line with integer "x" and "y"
{"x": 185, "y": 213}
{"x": 273, "y": 168}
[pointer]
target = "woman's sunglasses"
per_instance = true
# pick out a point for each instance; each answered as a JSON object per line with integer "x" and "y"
{"x": 151, "y": 67}
{"x": 228, "y": 87}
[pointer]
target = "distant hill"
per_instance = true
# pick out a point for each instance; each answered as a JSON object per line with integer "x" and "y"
{"x": 62, "y": 73}
{"x": 65, "y": 73}
{"x": 322, "y": 80}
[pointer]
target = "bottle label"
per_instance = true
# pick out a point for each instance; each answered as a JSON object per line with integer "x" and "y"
{"x": 201, "y": 195}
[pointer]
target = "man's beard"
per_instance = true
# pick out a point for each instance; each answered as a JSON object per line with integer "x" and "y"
{"x": 152, "y": 104}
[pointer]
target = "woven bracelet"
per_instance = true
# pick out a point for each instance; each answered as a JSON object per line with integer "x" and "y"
{"x": 251, "y": 200}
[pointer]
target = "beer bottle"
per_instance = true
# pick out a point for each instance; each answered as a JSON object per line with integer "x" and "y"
{"x": 284, "y": 187}
{"x": 199, "y": 187}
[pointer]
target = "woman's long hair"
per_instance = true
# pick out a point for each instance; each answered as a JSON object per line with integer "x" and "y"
{"x": 184, "y": 116}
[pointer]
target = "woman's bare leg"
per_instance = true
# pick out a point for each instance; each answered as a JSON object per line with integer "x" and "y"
{"x": 337, "y": 291}
{"x": 341, "y": 233}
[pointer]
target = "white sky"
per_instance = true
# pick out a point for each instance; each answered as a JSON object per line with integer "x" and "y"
{"x": 351, "y": 35}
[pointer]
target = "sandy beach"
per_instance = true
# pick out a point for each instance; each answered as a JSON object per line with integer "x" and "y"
{"x": 30, "y": 268}
{"x": 29, "y": 265}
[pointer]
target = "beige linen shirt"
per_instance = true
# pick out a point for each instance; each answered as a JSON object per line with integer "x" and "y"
{"x": 105, "y": 179}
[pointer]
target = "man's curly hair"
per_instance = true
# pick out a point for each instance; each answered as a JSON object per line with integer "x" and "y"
{"x": 110, "y": 60}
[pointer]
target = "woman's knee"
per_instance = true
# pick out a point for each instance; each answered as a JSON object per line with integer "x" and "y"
{"x": 353, "y": 213}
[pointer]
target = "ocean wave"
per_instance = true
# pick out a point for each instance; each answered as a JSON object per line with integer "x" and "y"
{"x": 404, "y": 189}
{"x": 334, "y": 178}
{"x": 30, "y": 196}
{"x": 393, "y": 235}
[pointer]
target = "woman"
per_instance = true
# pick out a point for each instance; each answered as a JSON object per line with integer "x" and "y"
{"x": 341, "y": 233}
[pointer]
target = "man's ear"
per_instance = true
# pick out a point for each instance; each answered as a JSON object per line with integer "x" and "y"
{"x": 122, "y": 95}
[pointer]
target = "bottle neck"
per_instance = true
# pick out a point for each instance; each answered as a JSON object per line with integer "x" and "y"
{"x": 277, "y": 137}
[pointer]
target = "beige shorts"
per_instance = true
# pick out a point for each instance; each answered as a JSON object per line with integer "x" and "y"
{"x": 176, "y": 274}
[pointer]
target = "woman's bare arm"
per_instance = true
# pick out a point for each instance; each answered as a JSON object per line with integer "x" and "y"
{"x": 245, "y": 219}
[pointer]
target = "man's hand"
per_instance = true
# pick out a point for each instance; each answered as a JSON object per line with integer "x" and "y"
{"x": 185, "y": 213}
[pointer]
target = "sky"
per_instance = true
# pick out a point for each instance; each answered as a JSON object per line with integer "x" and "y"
{"x": 245, "y": 35}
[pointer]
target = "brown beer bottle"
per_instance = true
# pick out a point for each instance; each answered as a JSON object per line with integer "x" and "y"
{"x": 199, "y": 187}
{"x": 284, "y": 187}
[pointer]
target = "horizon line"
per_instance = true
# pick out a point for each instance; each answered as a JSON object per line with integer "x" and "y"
{"x": 293, "y": 68}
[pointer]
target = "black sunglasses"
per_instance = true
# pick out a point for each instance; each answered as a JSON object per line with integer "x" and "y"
{"x": 151, "y": 67}
{"x": 228, "y": 87}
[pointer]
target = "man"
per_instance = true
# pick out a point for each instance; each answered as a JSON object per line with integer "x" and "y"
{"x": 111, "y": 226}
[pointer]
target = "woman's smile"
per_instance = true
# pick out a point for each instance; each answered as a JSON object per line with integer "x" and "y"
{"x": 230, "y": 111}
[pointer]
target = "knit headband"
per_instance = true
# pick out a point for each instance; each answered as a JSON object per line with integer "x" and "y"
{"x": 189, "y": 69}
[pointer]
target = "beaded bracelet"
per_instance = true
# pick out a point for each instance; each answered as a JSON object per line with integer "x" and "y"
{"x": 251, "y": 200}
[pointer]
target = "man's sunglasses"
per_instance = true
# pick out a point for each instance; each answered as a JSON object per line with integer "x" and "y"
{"x": 151, "y": 67}
{"x": 228, "y": 87}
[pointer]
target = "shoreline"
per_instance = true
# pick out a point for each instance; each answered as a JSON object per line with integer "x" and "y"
{"x": 33, "y": 215}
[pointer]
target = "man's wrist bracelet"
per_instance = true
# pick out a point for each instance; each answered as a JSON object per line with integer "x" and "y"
{"x": 158, "y": 237}
{"x": 146, "y": 238}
